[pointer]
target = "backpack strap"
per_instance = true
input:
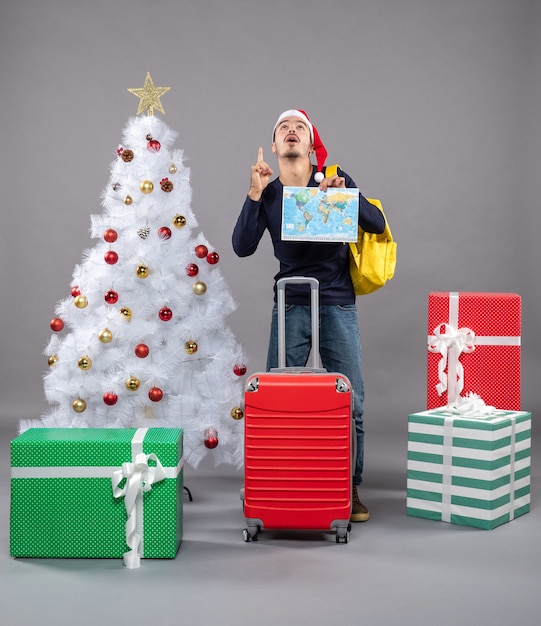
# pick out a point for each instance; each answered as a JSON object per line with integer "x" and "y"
{"x": 331, "y": 170}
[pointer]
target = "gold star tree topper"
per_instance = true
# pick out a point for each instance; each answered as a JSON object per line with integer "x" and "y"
{"x": 149, "y": 96}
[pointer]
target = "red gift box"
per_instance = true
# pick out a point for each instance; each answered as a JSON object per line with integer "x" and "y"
{"x": 474, "y": 346}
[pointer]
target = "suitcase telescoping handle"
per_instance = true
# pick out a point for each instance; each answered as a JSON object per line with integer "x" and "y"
{"x": 314, "y": 307}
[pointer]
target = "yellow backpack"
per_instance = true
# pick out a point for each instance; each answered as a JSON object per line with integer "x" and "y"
{"x": 372, "y": 258}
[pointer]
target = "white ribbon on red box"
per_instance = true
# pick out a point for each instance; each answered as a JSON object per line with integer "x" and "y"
{"x": 450, "y": 341}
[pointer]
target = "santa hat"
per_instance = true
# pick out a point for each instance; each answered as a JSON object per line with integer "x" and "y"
{"x": 319, "y": 148}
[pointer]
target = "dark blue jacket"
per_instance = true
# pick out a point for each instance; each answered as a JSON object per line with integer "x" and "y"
{"x": 328, "y": 262}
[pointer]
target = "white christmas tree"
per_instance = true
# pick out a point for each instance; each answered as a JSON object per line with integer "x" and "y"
{"x": 142, "y": 341}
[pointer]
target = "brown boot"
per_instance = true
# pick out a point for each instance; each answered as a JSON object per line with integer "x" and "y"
{"x": 359, "y": 513}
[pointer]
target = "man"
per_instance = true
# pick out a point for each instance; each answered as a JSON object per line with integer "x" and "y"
{"x": 294, "y": 139}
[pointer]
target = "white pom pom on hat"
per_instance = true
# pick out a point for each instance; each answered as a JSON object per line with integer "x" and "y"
{"x": 319, "y": 148}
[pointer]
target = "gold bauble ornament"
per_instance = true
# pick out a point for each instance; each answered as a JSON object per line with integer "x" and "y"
{"x": 126, "y": 313}
{"x": 84, "y": 363}
{"x": 142, "y": 271}
{"x": 146, "y": 186}
{"x": 52, "y": 360}
{"x": 199, "y": 288}
{"x": 80, "y": 302}
{"x": 78, "y": 405}
{"x": 190, "y": 347}
{"x": 128, "y": 200}
{"x": 237, "y": 413}
{"x": 105, "y": 335}
{"x": 133, "y": 383}
{"x": 179, "y": 221}
{"x": 172, "y": 168}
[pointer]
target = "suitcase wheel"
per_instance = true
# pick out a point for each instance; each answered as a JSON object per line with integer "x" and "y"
{"x": 342, "y": 534}
{"x": 250, "y": 533}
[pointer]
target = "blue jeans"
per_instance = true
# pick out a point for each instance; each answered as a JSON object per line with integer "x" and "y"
{"x": 339, "y": 348}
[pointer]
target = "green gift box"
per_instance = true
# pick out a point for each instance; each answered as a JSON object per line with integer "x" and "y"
{"x": 94, "y": 492}
{"x": 473, "y": 471}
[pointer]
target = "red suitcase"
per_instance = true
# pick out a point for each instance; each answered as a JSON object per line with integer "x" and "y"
{"x": 298, "y": 441}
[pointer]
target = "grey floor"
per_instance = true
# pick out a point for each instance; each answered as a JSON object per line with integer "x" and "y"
{"x": 394, "y": 570}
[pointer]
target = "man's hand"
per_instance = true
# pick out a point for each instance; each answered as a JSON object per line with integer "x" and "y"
{"x": 332, "y": 181}
{"x": 261, "y": 174}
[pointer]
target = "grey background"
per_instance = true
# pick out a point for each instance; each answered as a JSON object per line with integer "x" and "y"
{"x": 430, "y": 105}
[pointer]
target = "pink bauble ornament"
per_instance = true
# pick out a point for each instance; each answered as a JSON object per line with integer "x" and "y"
{"x": 164, "y": 232}
{"x": 111, "y": 257}
{"x": 165, "y": 314}
{"x": 201, "y": 251}
{"x": 213, "y": 258}
{"x": 111, "y": 297}
{"x": 210, "y": 438}
{"x": 57, "y": 324}
{"x": 155, "y": 394}
{"x": 142, "y": 351}
{"x": 110, "y": 398}
{"x": 239, "y": 369}
{"x": 110, "y": 235}
{"x": 192, "y": 269}
{"x": 153, "y": 145}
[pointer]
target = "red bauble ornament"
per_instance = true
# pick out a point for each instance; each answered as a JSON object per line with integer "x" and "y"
{"x": 153, "y": 145}
{"x": 155, "y": 394}
{"x": 213, "y": 258}
{"x": 201, "y": 251}
{"x": 75, "y": 291}
{"x": 211, "y": 438}
{"x": 165, "y": 314}
{"x": 240, "y": 369}
{"x": 57, "y": 324}
{"x": 192, "y": 269}
{"x": 110, "y": 235}
{"x": 164, "y": 232}
{"x": 111, "y": 257}
{"x": 110, "y": 398}
{"x": 142, "y": 350}
{"x": 111, "y": 297}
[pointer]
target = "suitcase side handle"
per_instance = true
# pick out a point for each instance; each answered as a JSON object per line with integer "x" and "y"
{"x": 314, "y": 308}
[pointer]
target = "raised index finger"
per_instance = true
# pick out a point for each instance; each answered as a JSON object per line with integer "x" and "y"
{"x": 260, "y": 155}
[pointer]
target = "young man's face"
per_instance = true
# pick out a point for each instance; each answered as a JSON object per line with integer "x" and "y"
{"x": 292, "y": 138}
